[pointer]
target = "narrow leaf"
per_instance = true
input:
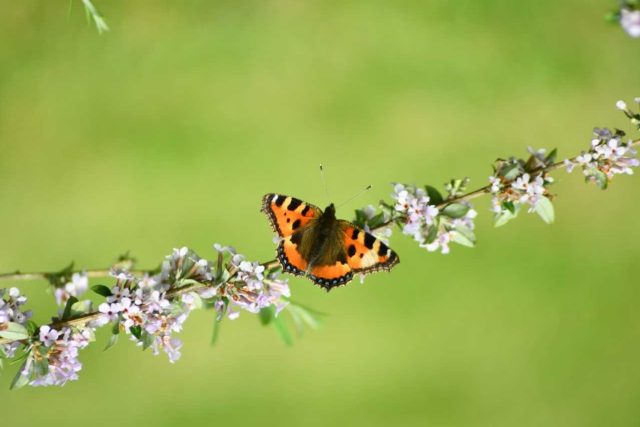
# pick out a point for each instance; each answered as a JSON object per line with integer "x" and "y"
{"x": 435, "y": 198}
{"x": 544, "y": 209}
{"x": 102, "y": 290}
{"x": 14, "y": 331}
{"x": 455, "y": 210}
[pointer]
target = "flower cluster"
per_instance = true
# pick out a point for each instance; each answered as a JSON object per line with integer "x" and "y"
{"x": 143, "y": 307}
{"x": 54, "y": 359}
{"x": 609, "y": 155}
{"x": 148, "y": 309}
{"x": 76, "y": 287}
{"x": 518, "y": 182}
{"x": 11, "y": 312}
{"x": 630, "y": 21}
{"x": 431, "y": 220}
{"x": 252, "y": 288}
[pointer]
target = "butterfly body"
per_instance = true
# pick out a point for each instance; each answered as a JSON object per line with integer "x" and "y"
{"x": 317, "y": 245}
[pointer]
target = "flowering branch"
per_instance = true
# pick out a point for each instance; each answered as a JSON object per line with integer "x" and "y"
{"x": 627, "y": 15}
{"x": 149, "y": 306}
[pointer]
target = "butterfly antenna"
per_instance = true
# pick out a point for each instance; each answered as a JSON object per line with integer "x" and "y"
{"x": 324, "y": 182}
{"x": 360, "y": 193}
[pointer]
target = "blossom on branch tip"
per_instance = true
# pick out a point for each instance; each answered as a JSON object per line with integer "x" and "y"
{"x": 607, "y": 157}
{"x": 518, "y": 182}
{"x": 432, "y": 227}
{"x": 630, "y": 22}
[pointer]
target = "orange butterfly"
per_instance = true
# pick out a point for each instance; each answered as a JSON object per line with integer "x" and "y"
{"x": 320, "y": 247}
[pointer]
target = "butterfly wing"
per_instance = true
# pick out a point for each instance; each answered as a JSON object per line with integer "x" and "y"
{"x": 288, "y": 214}
{"x": 290, "y": 217}
{"x": 366, "y": 253}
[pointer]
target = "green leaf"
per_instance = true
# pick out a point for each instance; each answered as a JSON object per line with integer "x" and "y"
{"x": 283, "y": 330}
{"x": 147, "y": 340}
{"x": 19, "y": 380}
{"x": 377, "y": 220}
{"x": 115, "y": 327}
{"x": 432, "y": 234}
{"x": 81, "y": 307}
{"x": 455, "y": 210}
{"x": 113, "y": 339}
{"x": 544, "y": 209}
{"x": 601, "y": 179}
{"x": 102, "y": 290}
{"x": 267, "y": 315}
{"x": 14, "y": 331}
{"x": 216, "y": 331}
{"x": 467, "y": 234}
{"x": 551, "y": 157}
{"x": 435, "y": 198}
{"x": 461, "y": 239}
{"x": 305, "y": 316}
{"x": 136, "y": 331}
{"x": 510, "y": 206}
{"x": 503, "y": 217}
{"x": 32, "y": 327}
{"x": 510, "y": 171}
{"x": 67, "y": 308}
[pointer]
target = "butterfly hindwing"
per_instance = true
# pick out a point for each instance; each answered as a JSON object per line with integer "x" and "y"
{"x": 365, "y": 252}
{"x": 288, "y": 214}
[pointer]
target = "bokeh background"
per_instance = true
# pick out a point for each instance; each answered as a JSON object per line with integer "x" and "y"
{"x": 167, "y": 131}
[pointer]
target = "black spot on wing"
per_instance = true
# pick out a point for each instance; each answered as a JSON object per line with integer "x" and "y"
{"x": 295, "y": 224}
{"x": 382, "y": 250}
{"x": 355, "y": 233}
{"x": 294, "y": 203}
{"x": 279, "y": 200}
{"x": 351, "y": 250}
{"x": 369, "y": 240}
{"x": 305, "y": 210}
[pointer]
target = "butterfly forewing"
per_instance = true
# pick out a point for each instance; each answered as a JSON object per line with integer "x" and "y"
{"x": 287, "y": 214}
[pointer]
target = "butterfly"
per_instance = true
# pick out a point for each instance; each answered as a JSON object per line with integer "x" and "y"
{"x": 316, "y": 245}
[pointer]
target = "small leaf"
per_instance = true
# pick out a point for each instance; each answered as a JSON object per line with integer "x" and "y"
{"x": 147, "y": 340}
{"x": 377, "y": 220}
{"x": 467, "y": 233}
{"x": 283, "y": 330}
{"x": 102, "y": 290}
{"x": 461, "y": 239}
{"x": 216, "y": 331}
{"x": 19, "y": 380}
{"x": 510, "y": 171}
{"x": 544, "y": 209}
{"x": 32, "y": 327}
{"x": 304, "y": 315}
{"x": 455, "y": 210}
{"x": 136, "y": 331}
{"x": 14, "y": 331}
{"x": 432, "y": 234}
{"x": 551, "y": 157}
{"x": 115, "y": 327}
{"x": 113, "y": 339}
{"x": 67, "y": 308}
{"x": 510, "y": 206}
{"x": 435, "y": 198}
{"x": 267, "y": 315}
{"x": 81, "y": 307}
{"x": 503, "y": 217}
{"x": 601, "y": 179}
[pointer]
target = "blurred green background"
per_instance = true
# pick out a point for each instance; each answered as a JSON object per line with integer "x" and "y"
{"x": 167, "y": 131}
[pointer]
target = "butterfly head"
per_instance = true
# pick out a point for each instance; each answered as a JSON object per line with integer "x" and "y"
{"x": 330, "y": 211}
